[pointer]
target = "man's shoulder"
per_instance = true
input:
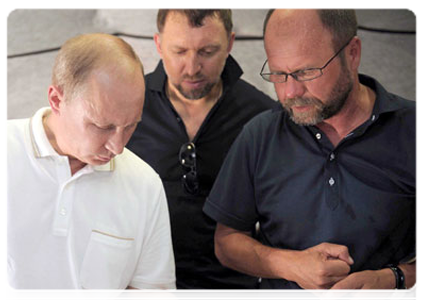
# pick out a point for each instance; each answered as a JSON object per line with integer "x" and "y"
{"x": 247, "y": 92}
{"x": 16, "y": 123}
{"x": 266, "y": 121}
{"x": 402, "y": 110}
{"x": 387, "y": 101}
{"x": 407, "y": 105}
{"x": 135, "y": 168}
{"x": 16, "y": 129}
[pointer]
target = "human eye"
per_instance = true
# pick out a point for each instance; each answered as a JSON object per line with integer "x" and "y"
{"x": 307, "y": 74}
{"x": 274, "y": 76}
{"x": 103, "y": 129}
{"x": 179, "y": 51}
{"x": 130, "y": 127}
{"x": 209, "y": 51}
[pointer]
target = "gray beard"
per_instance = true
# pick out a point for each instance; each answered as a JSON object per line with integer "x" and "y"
{"x": 338, "y": 97}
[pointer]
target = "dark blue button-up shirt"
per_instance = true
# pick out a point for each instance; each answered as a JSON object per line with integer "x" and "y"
{"x": 158, "y": 139}
{"x": 304, "y": 191}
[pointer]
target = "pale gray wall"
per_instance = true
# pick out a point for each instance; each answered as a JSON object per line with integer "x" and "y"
{"x": 390, "y": 57}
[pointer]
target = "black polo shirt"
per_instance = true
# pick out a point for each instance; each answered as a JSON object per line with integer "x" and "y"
{"x": 158, "y": 139}
{"x": 304, "y": 191}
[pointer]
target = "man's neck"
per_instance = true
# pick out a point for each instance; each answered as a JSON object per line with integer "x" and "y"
{"x": 48, "y": 124}
{"x": 356, "y": 111}
{"x": 193, "y": 112}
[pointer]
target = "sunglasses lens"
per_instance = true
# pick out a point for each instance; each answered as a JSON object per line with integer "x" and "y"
{"x": 190, "y": 182}
{"x": 187, "y": 155}
{"x": 187, "y": 159}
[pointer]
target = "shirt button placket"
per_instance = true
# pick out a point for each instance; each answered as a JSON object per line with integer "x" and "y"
{"x": 332, "y": 188}
{"x": 63, "y": 213}
{"x": 332, "y": 196}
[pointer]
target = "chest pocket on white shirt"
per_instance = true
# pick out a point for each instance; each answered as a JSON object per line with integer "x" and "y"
{"x": 105, "y": 261}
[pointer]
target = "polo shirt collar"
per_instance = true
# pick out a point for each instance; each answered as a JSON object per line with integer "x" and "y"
{"x": 385, "y": 102}
{"x": 39, "y": 141}
{"x": 41, "y": 145}
{"x": 230, "y": 75}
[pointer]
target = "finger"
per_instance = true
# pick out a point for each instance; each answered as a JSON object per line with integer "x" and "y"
{"x": 337, "y": 268}
{"x": 342, "y": 288}
{"x": 336, "y": 280}
{"x": 339, "y": 251}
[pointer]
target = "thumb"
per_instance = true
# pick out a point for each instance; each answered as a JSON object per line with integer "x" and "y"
{"x": 339, "y": 251}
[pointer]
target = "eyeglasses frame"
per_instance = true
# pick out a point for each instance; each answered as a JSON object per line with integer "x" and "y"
{"x": 293, "y": 73}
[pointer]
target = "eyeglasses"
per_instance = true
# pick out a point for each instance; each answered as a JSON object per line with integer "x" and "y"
{"x": 187, "y": 159}
{"x": 300, "y": 75}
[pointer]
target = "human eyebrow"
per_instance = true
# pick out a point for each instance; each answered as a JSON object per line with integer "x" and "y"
{"x": 178, "y": 49}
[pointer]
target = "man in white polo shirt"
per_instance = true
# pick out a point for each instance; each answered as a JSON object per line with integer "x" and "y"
{"x": 83, "y": 211}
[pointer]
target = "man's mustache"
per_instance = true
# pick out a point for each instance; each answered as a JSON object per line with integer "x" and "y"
{"x": 299, "y": 101}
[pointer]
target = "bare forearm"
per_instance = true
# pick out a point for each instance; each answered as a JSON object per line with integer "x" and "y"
{"x": 243, "y": 253}
{"x": 320, "y": 266}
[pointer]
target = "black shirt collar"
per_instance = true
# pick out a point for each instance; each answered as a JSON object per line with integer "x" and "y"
{"x": 385, "y": 101}
{"x": 230, "y": 75}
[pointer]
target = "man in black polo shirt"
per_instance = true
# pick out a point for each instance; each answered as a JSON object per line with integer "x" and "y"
{"x": 330, "y": 177}
{"x": 195, "y": 106}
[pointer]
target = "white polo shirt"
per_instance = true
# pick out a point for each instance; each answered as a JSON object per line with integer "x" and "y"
{"x": 104, "y": 227}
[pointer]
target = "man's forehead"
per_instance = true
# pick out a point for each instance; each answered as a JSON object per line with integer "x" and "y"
{"x": 291, "y": 22}
{"x": 301, "y": 29}
{"x": 175, "y": 18}
{"x": 211, "y": 34}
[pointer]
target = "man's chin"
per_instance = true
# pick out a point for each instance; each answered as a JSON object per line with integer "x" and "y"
{"x": 308, "y": 118}
{"x": 195, "y": 94}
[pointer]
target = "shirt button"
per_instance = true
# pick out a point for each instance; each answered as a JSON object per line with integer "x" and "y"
{"x": 331, "y": 181}
{"x": 318, "y": 136}
{"x": 63, "y": 212}
{"x": 332, "y": 156}
{"x": 373, "y": 117}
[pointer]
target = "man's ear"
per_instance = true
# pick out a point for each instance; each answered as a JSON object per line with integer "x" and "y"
{"x": 354, "y": 53}
{"x": 231, "y": 41}
{"x": 55, "y": 98}
{"x": 157, "y": 41}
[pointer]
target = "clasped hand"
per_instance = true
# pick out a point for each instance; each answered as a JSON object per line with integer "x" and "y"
{"x": 322, "y": 266}
{"x": 328, "y": 266}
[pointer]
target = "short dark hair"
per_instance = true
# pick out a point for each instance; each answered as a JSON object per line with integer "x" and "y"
{"x": 196, "y": 17}
{"x": 342, "y": 23}
{"x": 266, "y": 20}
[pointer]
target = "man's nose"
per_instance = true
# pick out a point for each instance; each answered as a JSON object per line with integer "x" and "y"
{"x": 116, "y": 142}
{"x": 293, "y": 88}
{"x": 192, "y": 64}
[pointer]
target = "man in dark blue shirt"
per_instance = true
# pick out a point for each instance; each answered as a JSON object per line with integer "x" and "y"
{"x": 195, "y": 106}
{"x": 330, "y": 178}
